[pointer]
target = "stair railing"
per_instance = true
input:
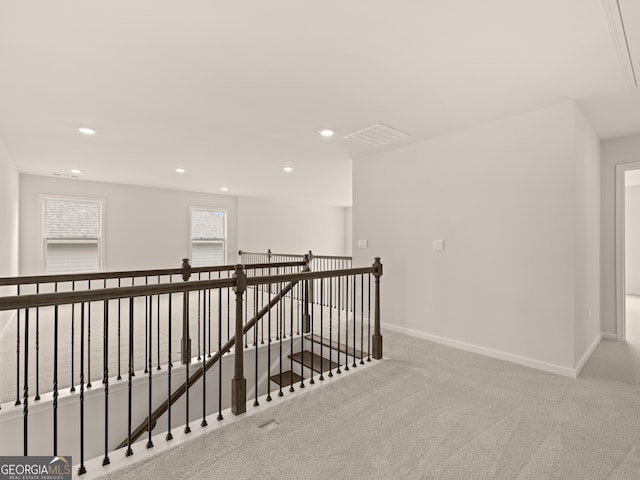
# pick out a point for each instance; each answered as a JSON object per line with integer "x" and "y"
{"x": 38, "y": 284}
{"x": 282, "y": 307}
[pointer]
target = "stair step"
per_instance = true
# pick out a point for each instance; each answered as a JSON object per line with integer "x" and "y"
{"x": 334, "y": 345}
{"x": 313, "y": 361}
{"x": 286, "y": 378}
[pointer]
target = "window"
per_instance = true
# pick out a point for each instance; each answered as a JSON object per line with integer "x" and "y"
{"x": 72, "y": 235}
{"x": 207, "y": 237}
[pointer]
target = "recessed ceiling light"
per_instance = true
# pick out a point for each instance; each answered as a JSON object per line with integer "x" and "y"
{"x": 288, "y": 169}
{"x": 224, "y": 189}
{"x": 180, "y": 170}
{"x": 75, "y": 171}
{"x": 87, "y": 131}
{"x": 325, "y": 132}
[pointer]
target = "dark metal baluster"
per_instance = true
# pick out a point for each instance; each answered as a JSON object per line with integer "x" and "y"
{"x": 361, "y": 318}
{"x": 89, "y": 340}
{"x": 313, "y": 289}
{"x": 262, "y": 303}
{"x": 269, "y": 346}
{"x": 229, "y": 309}
{"x": 198, "y": 327}
{"x": 346, "y": 323}
{"x": 158, "y": 332}
{"x": 209, "y": 315}
{"x": 73, "y": 321}
{"x": 119, "y": 338}
{"x": 105, "y": 380}
{"x": 255, "y": 342}
{"x": 82, "y": 470}
{"x": 369, "y": 322}
{"x": 299, "y": 309}
{"x": 147, "y": 301}
{"x": 353, "y": 314}
{"x": 169, "y": 367}
{"x": 305, "y": 309}
{"x": 280, "y": 322}
{"x": 204, "y": 372}
{"x": 277, "y": 315}
{"x": 331, "y": 281}
{"x": 186, "y": 359}
{"x": 291, "y": 389}
{"x": 220, "y": 352}
{"x": 25, "y": 388}
{"x": 321, "y": 328}
{"x": 150, "y": 371}
{"x": 246, "y": 320}
{"x": 18, "y": 355}
{"x": 130, "y": 385}
{"x": 37, "y": 348}
{"x": 55, "y": 378}
{"x": 339, "y": 295}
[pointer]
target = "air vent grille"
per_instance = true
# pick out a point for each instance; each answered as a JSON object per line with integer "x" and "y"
{"x": 376, "y": 135}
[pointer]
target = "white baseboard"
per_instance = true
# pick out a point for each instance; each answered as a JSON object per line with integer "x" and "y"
{"x": 488, "y": 352}
{"x": 609, "y": 336}
{"x": 587, "y": 354}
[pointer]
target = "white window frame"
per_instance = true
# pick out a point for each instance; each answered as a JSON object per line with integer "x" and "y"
{"x": 43, "y": 250}
{"x": 224, "y": 230}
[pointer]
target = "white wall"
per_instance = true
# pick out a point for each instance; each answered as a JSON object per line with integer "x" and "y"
{"x": 614, "y": 152}
{"x": 9, "y": 198}
{"x": 348, "y": 231}
{"x": 9, "y": 245}
{"x": 289, "y": 227}
{"x": 587, "y": 239}
{"x": 503, "y": 197}
{"x": 145, "y": 228}
{"x": 632, "y": 239}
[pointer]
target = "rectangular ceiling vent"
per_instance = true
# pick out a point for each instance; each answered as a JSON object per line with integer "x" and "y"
{"x": 376, "y": 135}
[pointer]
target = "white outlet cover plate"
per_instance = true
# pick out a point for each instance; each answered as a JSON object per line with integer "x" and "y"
{"x": 363, "y": 243}
{"x": 438, "y": 245}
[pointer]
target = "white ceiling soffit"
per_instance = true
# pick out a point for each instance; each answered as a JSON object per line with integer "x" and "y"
{"x": 376, "y": 135}
{"x": 619, "y": 19}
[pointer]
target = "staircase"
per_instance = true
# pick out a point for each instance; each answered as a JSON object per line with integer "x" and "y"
{"x": 307, "y": 361}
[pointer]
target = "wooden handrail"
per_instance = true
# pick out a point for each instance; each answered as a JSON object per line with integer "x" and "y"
{"x": 81, "y": 277}
{"x": 158, "y": 412}
{"x": 67, "y": 298}
{"x": 324, "y": 257}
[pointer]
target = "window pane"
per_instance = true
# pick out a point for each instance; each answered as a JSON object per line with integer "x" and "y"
{"x": 207, "y": 225}
{"x": 206, "y": 254}
{"x": 72, "y": 230}
{"x": 71, "y": 219}
{"x": 72, "y": 257}
{"x": 207, "y": 237}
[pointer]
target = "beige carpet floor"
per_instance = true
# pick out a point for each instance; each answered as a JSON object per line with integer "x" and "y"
{"x": 434, "y": 412}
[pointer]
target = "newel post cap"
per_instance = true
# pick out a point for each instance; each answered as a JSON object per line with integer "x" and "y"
{"x": 186, "y": 269}
{"x": 377, "y": 265}
{"x": 241, "y": 279}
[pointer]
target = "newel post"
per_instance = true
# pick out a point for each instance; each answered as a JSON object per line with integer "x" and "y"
{"x": 185, "y": 343}
{"x": 376, "y": 339}
{"x": 239, "y": 383}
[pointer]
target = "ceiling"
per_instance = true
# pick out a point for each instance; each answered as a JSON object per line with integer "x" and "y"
{"x": 234, "y": 91}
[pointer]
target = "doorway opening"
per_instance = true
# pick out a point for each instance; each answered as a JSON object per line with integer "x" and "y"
{"x": 628, "y": 253}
